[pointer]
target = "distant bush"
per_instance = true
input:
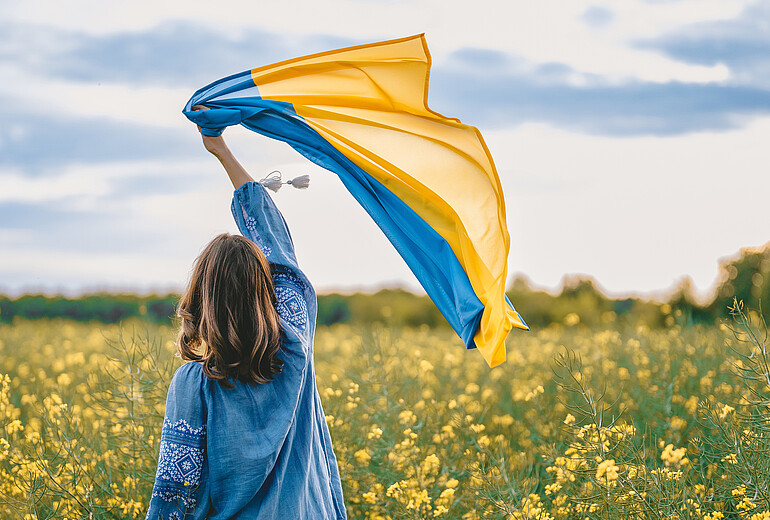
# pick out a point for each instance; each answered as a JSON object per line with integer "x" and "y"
{"x": 102, "y": 307}
{"x": 746, "y": 278}
{"x": 333, "y": 308}
{"x": 580, "y": 301}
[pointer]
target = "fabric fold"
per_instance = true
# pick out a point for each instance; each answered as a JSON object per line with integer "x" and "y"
{"x": 428, "y": 181}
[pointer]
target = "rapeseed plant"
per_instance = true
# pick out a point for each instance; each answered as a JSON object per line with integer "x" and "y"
{"x": 623, "y": 421}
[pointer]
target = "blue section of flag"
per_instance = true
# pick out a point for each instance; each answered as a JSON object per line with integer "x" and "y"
{"x": 213, "y": 122}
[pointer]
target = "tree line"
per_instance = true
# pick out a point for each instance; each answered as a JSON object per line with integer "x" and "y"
{"x": 746, "y": 277}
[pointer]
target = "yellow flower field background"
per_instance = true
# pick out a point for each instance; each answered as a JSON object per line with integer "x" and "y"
{"x": 614, "y": 421}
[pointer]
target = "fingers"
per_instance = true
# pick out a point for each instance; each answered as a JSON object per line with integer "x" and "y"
{"x": 199, "y": 107}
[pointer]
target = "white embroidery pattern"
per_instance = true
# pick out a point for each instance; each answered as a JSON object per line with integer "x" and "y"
{"x": 281, "y": 275}
{"x": 251, "y": 226}
{"x": 180, "y": 463}
{"x": 291, "y": 306}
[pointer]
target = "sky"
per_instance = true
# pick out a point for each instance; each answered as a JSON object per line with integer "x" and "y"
{"x": 630, "y": 136}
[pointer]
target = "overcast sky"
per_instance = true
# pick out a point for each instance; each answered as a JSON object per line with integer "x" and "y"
{"x": 631, "y": 136}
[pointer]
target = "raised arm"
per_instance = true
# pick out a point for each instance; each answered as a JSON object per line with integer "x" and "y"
{"x": 254, "y": 211}
{"x": 218, "y": 148}
{"x": 259, "y": 220}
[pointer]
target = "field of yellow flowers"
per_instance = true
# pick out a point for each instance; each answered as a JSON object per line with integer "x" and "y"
{"x": 617, "y": 422}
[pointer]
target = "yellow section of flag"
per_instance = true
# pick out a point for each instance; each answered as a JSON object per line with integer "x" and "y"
{"x": 370, "y": 103}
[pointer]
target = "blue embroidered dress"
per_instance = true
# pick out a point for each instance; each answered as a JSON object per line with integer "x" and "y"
{"x": 253, "y": 451}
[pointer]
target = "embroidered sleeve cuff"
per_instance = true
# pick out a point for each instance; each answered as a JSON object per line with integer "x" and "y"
{"x": 180, "y": 463}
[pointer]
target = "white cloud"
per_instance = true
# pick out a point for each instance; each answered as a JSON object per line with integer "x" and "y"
{"x": 32, "y": 266}
{"x": 19, "y": 188}
{"x": 13, "y": 237}
{"x": 544, "y": 31}
{"x": 82, "y": 181}
{"x": 40, "y": 93}
{"x": 635, "y": 213}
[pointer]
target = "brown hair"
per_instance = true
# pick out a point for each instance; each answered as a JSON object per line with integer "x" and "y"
{"x": 229, "y": 321}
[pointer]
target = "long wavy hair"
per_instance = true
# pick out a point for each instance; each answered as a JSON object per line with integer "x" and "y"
{"x": 229, "y": 321}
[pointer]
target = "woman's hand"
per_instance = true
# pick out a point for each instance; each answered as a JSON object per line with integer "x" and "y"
{"x": 215, "y": 145}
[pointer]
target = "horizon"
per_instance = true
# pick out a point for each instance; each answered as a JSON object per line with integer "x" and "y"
{"x": 659, "y": 296}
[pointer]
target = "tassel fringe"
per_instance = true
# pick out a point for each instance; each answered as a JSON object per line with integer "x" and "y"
{"x": 301, "y": 182}
{"x": 273, "y": 181}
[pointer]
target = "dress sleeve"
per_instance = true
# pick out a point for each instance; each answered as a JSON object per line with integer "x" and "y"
{"x": 181, "y": 487}
{"x": 259, "y": 219}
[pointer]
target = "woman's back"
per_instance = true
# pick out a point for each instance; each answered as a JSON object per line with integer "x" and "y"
{"x": 255, "y": 450}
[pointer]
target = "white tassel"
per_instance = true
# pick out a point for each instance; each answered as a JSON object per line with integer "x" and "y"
{"x": 301, "y": 182}
{"x": 272, "y": 181}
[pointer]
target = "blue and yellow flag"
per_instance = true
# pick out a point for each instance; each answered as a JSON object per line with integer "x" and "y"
{"x": 428, "y": 181}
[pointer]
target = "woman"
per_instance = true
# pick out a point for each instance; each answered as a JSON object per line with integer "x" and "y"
{"x": 244, "y": 434}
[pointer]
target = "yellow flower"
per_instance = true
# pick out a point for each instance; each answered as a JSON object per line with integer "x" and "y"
{"x": 674, "y": 457}
{"x": 534, "y": 393}
{"x": 607, "y": 469}
{"x": 471, "y": 388}
{"x": 725, "y": 410}
{"x": 363, "y": 457}
{"x": 407, "y": 417}
{"x": 14, "y": 426}
{"x": 677, "y": 423}
{"x": 395, "y": 490}
{"x": 571, "y": 319}
{"x": 4, "y": 448}
{"x": 730, "y": 459}
{"x": 477, "y": 428}
{"x": 430, "y": 465}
